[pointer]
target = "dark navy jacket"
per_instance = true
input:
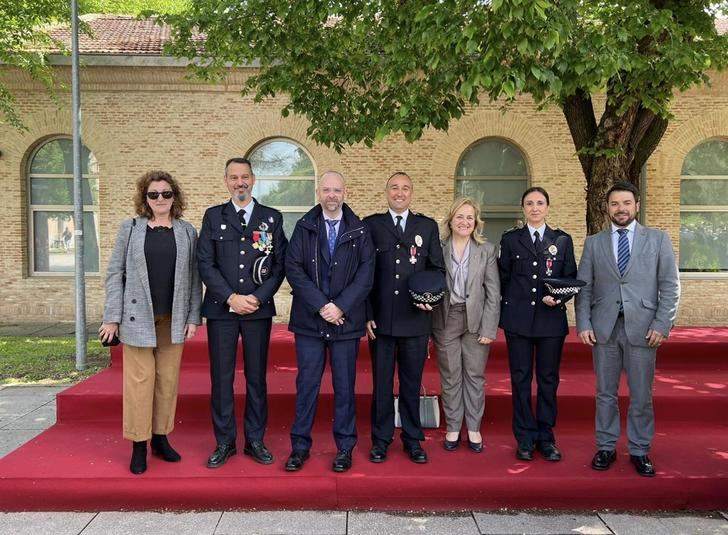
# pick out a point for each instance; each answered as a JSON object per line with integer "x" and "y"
{"x": 350, "y": 274}
{"x": 225, "y": 256}
{"x": 522, "y": 270}
{"x": 390, "y": 304}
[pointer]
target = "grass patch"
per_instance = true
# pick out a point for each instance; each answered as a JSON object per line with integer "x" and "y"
{"x": 47, "y": 360}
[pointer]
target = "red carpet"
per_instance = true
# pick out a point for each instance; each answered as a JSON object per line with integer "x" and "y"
{"x": 81, "y": 463}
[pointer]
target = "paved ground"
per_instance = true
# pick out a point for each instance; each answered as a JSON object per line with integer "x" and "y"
{"x": 25, "y": 411}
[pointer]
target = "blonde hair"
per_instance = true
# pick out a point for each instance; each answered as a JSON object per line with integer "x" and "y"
{"x": 477, "y": 234}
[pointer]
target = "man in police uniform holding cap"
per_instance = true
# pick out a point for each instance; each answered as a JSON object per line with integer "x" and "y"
{"x": 399, "y": 331}
{"x": 233, "y": 236}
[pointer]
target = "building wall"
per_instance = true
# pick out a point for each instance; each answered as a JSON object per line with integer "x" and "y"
{"x": 136, "y": 119}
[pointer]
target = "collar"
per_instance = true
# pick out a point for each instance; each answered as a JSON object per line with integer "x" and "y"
{"x": 629, "y": 227}
{"x": 404, "y": 215}
{"x": 248, "y": 208}
{"x": 540, "y": 230}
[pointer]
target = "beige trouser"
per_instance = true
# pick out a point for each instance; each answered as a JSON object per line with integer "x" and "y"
{"x": 462, "y": 371}
{"x": 151, "y": 378}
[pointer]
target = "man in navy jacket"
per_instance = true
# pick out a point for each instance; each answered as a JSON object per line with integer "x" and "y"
{"x": 330, "y": 267}
{"x": 233, "y": 236}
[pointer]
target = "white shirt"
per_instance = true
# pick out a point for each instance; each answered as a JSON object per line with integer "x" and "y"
{"x": 248, "y": 210}
{"x": 404, "y": 215}
{"x": 540, "y": 230}
{"x": 615, "y": 238}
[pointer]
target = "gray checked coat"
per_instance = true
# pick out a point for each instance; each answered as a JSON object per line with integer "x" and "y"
{"x": 128, "y": 297}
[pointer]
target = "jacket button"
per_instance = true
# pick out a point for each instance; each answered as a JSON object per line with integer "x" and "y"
{"x": 396, "y": 276}
{"x": 533, "y": 290}
{"x": 241, "y": 280}
{"x": 535, "y": 263}
{"x": 534, "y": 276}
{"x": 242, "y": 266}
{"x": 243, "y": 252}
{"x": 396, "y": 292}
{"x": 132, "y": 318}
{"x": 397, "y": 246}
{"x": 533, "y": 303}
{"x": 133, "y": 301}
{"x": 396, "y": 261}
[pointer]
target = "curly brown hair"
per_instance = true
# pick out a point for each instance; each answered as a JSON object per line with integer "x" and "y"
{"x": 140, "y": 197}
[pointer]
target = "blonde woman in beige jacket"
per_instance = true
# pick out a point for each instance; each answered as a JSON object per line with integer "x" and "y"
{"x": 465, "y": 325}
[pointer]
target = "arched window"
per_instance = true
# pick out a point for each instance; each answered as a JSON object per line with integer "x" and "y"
{"x": 704, "y": 208}
{"x": 284, "y": 178}
{"x": 494, "y": 173}
{"x": 51, "y": 227}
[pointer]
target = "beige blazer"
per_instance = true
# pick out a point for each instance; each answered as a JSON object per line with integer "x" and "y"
{"x": 482, "y": 300}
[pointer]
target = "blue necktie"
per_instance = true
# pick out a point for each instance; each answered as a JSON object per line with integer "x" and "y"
{"x": 622, "y": 250}
{"x": 398, "y": 225}
{"x": 332, "y": 235}
{"x": 536, "y": 241}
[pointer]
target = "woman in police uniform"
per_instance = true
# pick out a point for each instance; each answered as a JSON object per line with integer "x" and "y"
{"x": 534, "y": 322}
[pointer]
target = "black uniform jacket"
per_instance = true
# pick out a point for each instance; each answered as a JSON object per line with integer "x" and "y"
{"x": 390, "y": 304}
{"x": 225, "y": 256}
{"x": 522, "y": 270}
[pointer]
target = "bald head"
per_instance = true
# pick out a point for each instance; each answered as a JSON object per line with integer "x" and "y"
{"x": 331, "y": 193}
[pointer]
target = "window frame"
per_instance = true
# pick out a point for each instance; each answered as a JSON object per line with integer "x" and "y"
{"x": 290, "y": 209}
{"x": 703, "y": 208}
{"x": 496, "y": 212}
{"x": 32, "y": 209}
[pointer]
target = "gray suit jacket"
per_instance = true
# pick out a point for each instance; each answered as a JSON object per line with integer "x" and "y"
{"x": 482, "y": 304}
{"x": 649, "y": 288}
{"x": 130, "y": 304}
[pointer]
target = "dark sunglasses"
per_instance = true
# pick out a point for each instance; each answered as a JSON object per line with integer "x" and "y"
{"x": 154, "y": 195}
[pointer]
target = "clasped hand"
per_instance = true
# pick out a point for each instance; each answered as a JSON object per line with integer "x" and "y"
{"x": 332, "y": 313}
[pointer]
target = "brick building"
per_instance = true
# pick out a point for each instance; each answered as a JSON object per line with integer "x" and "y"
{"x": 140, "y": 111}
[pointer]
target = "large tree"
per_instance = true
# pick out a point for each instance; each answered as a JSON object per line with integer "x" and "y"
{"x": 361, "y": 69}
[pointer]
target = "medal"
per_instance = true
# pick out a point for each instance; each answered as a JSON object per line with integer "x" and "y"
{"x": 553, "y": 250}
{"x": 264, "y": 226}
{"x": 549, "y": 265}
{"x": 413, "y": 253}
{"x": 418, "y": 240}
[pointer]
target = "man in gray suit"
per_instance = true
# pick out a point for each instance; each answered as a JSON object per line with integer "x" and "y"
{"x": 625, "y": 312}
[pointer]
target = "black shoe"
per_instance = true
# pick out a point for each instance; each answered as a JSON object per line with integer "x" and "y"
{"x": 451, "y": 445}
{"x": 221, "y": 454}
{"x": 296, "y": 459}
{"x": 643, "y": 465}
{"x": 258, "y": 452}
{"x": 603, "y": 459}
{"x": 160, "y": 447}
{"x": 138, "y": 463}
{"x": 524, "y": 452}
{"x": 342, "y": 461}
{"x": 477, "y": 447}
{"x": 549, "y": 450}
{"x": 416, "y": 454}
{"x": 378, "y": 454}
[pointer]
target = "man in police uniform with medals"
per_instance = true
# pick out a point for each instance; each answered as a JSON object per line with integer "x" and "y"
{"x": 406, "y": 242}
{"x": 234, "y": 235}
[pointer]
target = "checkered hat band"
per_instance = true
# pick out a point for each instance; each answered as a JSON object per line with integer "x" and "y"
{"x": 568, "y": 290}
{"x": 427, "y": 297}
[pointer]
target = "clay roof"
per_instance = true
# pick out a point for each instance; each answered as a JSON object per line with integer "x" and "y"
{"x": 127, "y": 35}
{"x": 117, "y": 34}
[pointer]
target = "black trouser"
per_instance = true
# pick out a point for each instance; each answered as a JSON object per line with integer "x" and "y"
{"x": 409, "y": 353}
{"x": 222, "y": 337}
{"x": 522, "y": 352}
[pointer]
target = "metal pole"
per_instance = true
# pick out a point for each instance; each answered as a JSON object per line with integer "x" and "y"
{"x": 78, "y": 195}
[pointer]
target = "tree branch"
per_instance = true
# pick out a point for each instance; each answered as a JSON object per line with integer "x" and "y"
{"x": 646, "y": 146}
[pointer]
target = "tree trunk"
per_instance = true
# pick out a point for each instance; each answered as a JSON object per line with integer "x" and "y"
{"x": 613, "y": 151}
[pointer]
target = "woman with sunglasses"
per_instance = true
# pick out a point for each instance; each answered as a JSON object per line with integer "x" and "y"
{"x": 153, "y": 296}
